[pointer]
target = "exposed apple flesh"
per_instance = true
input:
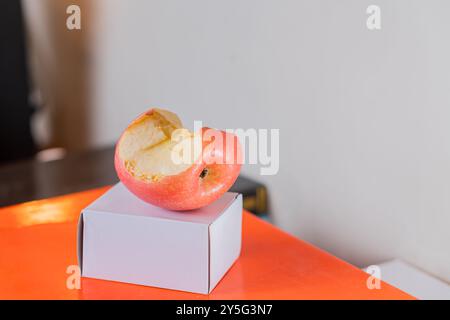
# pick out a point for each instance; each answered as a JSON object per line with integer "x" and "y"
{"x": 146, "y": 165}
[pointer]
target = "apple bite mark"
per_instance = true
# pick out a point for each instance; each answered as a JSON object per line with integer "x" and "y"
{"x": 146, "y": 147}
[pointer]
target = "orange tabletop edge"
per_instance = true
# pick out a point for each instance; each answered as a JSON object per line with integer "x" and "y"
{"x": 38, "y": 245}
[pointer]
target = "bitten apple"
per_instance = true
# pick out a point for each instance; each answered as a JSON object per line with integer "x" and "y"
{"x": 168, "y": 166}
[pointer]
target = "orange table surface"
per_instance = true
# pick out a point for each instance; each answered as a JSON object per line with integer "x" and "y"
{"x": 38, "y": 243}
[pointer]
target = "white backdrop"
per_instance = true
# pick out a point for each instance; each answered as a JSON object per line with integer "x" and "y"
{"x": 363, "y": 115}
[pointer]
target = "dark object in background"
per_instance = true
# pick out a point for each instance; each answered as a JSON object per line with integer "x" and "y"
{"x": 255, "y": 195}
{"x": 16, "y": 141}
{"x": 33, "y": 180}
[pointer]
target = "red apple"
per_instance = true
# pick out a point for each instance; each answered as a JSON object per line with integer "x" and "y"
{"x": 168, "y": 166}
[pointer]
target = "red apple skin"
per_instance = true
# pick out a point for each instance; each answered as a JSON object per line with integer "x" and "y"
{"x": 186, "y": 190}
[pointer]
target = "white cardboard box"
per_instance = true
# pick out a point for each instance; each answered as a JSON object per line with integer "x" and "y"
{"x": 121, "y": 238}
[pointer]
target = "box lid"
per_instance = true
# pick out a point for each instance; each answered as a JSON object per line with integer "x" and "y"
{"x": 118, "y": 200}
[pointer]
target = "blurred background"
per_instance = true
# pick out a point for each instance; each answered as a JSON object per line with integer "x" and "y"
{"x": 363, "y": 115}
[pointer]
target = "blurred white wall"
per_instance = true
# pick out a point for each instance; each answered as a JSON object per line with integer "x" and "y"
{"x": 364, "y": 115}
